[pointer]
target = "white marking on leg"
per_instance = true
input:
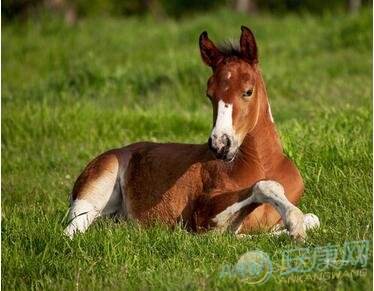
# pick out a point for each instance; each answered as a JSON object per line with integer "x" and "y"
{"x": 273, "y": 193}
{"x": 222, "y": 218}
{"x": 311, "y": 221}
{"x": 238, "y": 229}
{"x": 102, "y": 196}
{"x": 100, "y": 190}
{"x": 114, "y": 203}
{"x": 82, "y": 213}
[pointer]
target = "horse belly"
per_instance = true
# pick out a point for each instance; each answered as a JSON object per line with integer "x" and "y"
{"x": 161, "y": 197}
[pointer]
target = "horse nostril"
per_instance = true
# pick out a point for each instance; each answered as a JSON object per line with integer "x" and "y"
{"x": 226, "y": 140}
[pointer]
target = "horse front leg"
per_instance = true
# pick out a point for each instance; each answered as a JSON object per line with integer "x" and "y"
{"x": 263, "y": 192}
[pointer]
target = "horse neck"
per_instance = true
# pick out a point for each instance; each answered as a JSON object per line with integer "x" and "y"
{"x": 261, "y": 148}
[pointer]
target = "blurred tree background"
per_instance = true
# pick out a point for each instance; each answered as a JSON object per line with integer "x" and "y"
{"x": 73, "y": 10}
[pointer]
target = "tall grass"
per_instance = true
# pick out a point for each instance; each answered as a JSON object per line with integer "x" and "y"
{"x": 69, "y": 93}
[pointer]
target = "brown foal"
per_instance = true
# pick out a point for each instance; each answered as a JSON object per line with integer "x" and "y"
{"x": 239, "y": 181}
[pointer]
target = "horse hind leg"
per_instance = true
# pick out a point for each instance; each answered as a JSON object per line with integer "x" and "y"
{"x": 97, "y": 192}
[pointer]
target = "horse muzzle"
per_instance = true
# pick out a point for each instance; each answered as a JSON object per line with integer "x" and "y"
{"x": 222, "y": 147}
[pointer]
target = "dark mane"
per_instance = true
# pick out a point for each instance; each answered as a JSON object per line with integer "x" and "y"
{"x": 230, "y": 49}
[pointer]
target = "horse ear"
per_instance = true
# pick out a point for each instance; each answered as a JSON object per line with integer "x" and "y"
{"x": 248, "y": 47}
{"x": 209, "y": 52}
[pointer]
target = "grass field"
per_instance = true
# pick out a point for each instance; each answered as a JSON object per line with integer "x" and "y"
{"x": 69, "y": 94}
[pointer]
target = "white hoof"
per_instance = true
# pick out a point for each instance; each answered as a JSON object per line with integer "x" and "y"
{"x": 311, "y": 221}
{"x": 295, "y": 224}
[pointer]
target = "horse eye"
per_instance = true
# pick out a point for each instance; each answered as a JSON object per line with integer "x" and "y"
{"x": 248, "y": 93}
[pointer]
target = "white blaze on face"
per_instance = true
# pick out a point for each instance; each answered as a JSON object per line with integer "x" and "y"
{"x": 224, "y": 121}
